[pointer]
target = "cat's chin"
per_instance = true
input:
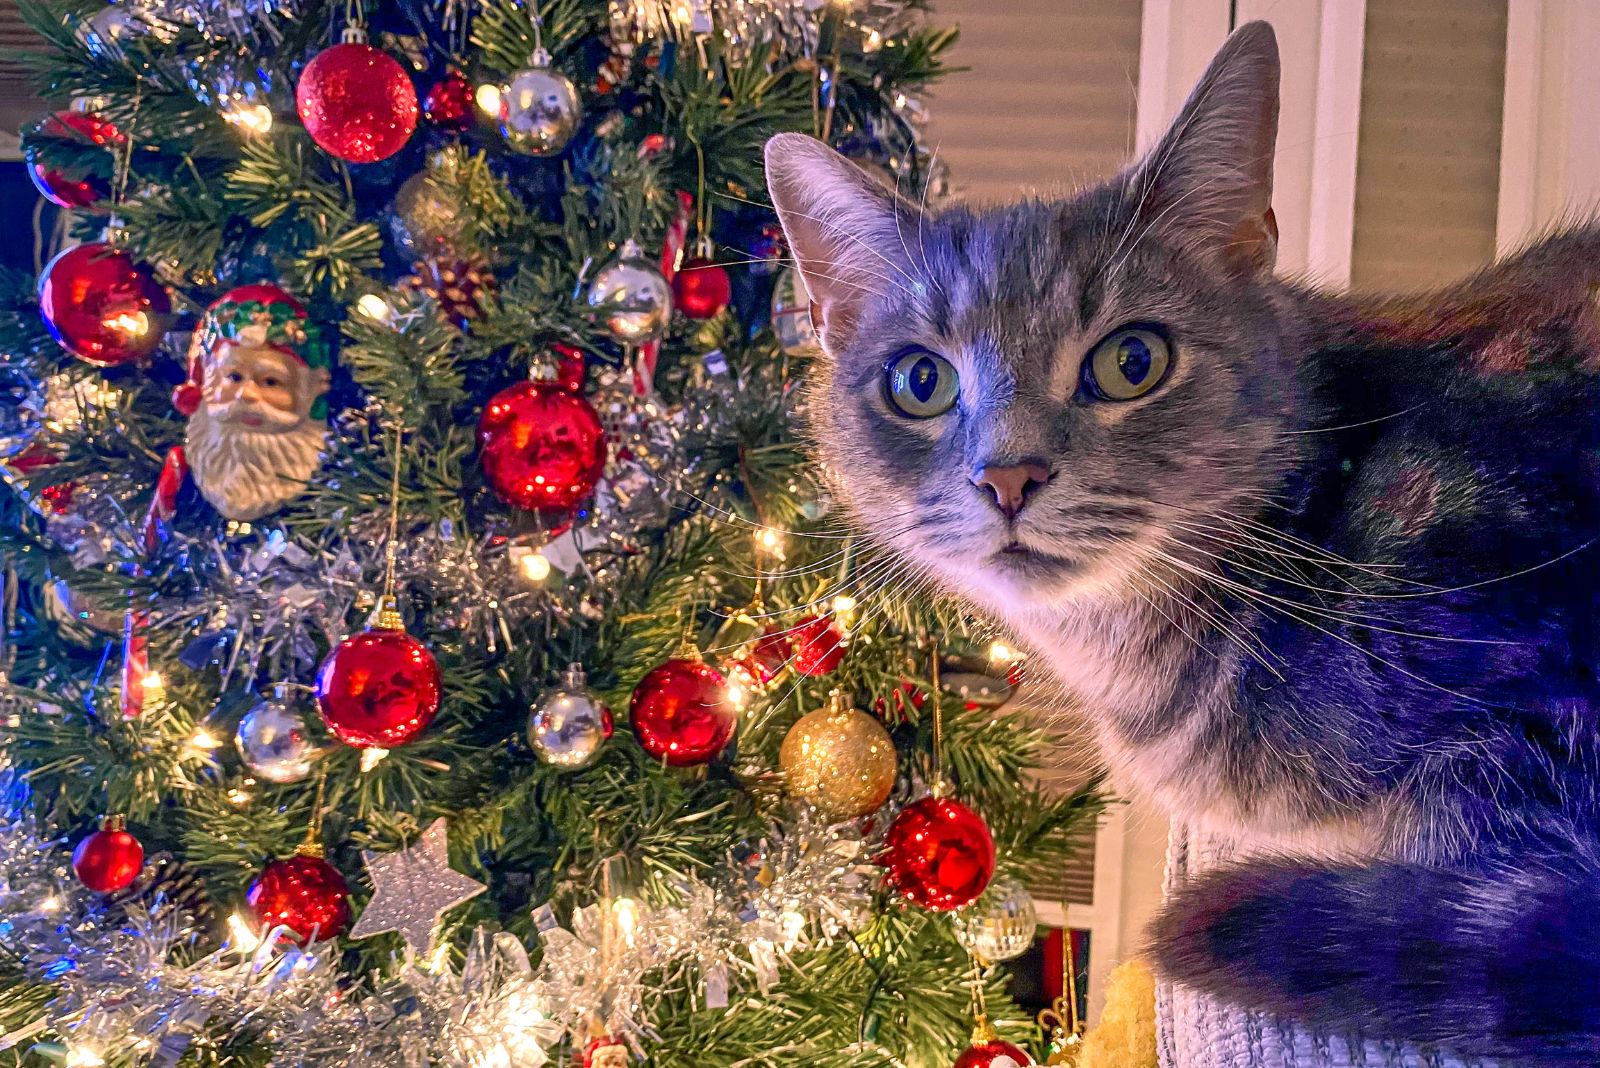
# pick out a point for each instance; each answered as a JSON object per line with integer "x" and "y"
{"x": 1017, "y": 576}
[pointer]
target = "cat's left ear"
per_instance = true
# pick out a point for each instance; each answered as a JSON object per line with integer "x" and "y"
{"x": 1209, "y": 180}
{"x": 841, "y": 224}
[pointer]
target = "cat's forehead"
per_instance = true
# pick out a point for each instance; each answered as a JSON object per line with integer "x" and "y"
{"x": 1017, "y": 279}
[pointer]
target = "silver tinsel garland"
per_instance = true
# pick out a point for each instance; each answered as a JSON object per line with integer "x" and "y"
{"x": 121, "y": 987}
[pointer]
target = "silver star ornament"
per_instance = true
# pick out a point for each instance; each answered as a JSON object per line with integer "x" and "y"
{"x": 413, "y": 889}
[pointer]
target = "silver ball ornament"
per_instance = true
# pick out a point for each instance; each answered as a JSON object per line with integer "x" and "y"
{"x": 273, "y": 744}
{"x": 568, "y": 725}
{"x": 1001, "y": 924}
{"x": 539, "y": 109}
{"x": 632, "y": 297}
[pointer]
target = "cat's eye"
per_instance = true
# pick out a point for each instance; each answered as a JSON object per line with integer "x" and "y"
{"x": 1128, "y": 364}
{"x": 920, "y": 384}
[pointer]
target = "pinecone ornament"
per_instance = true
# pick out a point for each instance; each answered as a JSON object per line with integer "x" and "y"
{"x": 457, "y": 286}
{"x": 166, "y": 882}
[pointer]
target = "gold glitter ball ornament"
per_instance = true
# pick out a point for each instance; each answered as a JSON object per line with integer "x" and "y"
{"x": 839, "y": 760}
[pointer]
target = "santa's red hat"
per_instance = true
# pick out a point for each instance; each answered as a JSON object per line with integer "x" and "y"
{"x": 262, "y": 314}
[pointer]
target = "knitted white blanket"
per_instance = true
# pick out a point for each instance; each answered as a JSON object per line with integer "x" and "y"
{"x": 1196, "y": 1032}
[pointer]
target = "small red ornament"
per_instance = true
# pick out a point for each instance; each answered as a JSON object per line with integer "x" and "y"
{"x": 379, "y": 688}
{"x": 571, "y": 368}
{"x": 101, "y": 306}
{"x": 770, "y": 652}
{"x": 939, "y": 854}
{"x": 543, "y": 449}
{"x": 357, "y": 102}
{"x": 448, "y": 103}
{"x": 818, "y": 643}
{"x": 701, "y": 289}
{"x": 681, "y": 713}
{"x": 53, "y": 500}
{"x": 72, "y": 190}
{"x": 995, "y": 1053}
{"x": 302, "y": 892}
{"x": 109, "y": 859}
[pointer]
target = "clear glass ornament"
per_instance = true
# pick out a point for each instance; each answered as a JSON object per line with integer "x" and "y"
{"x": 273, "y": 743}
{"x": 791, "y": 316}
{"x": 1001, "y": 924}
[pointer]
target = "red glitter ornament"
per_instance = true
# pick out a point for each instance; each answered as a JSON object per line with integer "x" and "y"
{"x": 448, "y": 103}
{"x": 543, "y": 449}
{"x": 109, "y": 859}
{"x": 357, "y": 102}
{"x": 995, "y": 1053}
{"x": 939, "y": 853}
{"x": 701, "y": 289}
{"x": 818, "y": 643}
{"x": 304, "y": 893}
{"x": 681, "y": 713}
{"x": 378, "y": 689}
{"x": 101, "y": 306}
{"x": 58, "y": 186}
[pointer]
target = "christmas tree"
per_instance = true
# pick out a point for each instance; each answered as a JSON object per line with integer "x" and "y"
{"x": 416, "y": 387}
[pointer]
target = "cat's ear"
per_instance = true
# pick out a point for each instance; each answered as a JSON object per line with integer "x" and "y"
{"x": 840, "y": 223}
{"x": 1209, "y": 180}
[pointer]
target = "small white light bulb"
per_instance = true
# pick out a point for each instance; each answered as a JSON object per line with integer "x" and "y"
{"x": 375, "y": 308}
{"x": 536, "y": 567}
{"x": 488, "y": 97}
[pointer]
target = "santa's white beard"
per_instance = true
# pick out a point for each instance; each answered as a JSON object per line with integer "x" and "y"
{"x": 246, "y": 473}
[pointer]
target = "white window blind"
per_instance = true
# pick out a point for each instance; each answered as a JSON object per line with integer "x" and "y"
{"x": 1428, "y": 159}
{"x": 1048, "y": 99}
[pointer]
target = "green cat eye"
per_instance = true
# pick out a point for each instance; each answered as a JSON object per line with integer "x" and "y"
{"x": 1128, "y": 364}
{"x": 920, "y": 384}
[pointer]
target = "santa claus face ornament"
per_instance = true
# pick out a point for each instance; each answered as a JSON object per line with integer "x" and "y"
{"x": 257, "y": 428}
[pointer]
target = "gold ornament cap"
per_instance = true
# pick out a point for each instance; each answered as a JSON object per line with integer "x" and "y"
{"x": 982, "y": 1031}
{"x": 386, "y": 615}
{"x": 113, "y": 821}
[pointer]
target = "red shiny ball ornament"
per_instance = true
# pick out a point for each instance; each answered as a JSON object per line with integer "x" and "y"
{"x": 448, "y": 103}
{"x": 110, "y": 859}
{"x": 357, "y": 102}
{"x": 939, "y": 854}
{"x": 701, "y": 289}
{"x": 72, "y": 190}
{"x": 542, "y": 448}
{"x": 681, "y": 713}
{"x": 378, "y": 689}
{"x": 101, "y": 306}
{"x": 303, "y": 893}
{"x": 997, "y": 1053}
{"x": 818, "y": 643}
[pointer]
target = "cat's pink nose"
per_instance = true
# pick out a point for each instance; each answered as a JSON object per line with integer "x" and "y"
{"x": 1011, "y": 484}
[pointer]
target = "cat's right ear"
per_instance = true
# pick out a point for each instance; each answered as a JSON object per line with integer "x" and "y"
{"x": 839, "y": 221}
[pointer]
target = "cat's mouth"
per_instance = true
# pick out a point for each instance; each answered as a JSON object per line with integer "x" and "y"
{"x": 1016, "y": 556}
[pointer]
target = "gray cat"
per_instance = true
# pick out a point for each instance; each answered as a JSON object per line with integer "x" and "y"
{"x": 1317, "y": 567}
